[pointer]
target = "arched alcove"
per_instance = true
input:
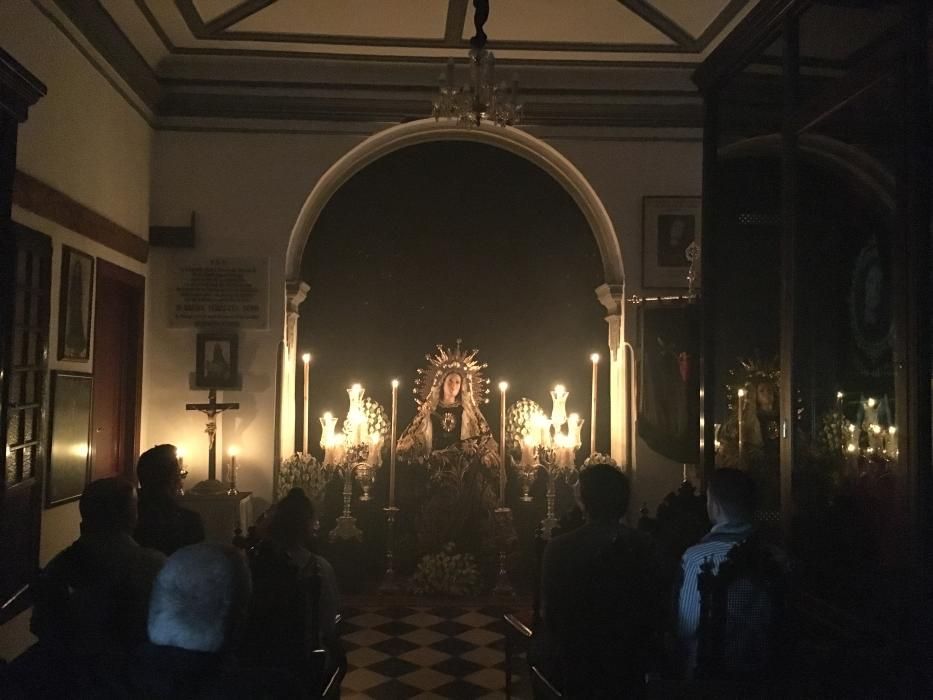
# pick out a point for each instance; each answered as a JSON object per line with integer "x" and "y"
{"x": 610, "y": 294}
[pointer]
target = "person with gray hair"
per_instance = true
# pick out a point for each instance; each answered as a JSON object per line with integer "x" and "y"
{"x": 199, "y": 604}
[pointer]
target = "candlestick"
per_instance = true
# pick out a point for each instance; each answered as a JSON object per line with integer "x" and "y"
{"x": 741, "y": 410}
{"x": 306, "y": 358}
{"x": 503, "y": 386}
{"x": 595, "y": 359}
{"x": 392, "y": 446}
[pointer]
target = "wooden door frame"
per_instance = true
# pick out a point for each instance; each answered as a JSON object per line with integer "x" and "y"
{"x": 137, "y": 282}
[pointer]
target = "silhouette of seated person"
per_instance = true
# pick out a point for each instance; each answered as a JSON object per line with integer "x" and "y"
{"x": 295, "y": 599}
{"x": 92, "y": 599}
{"x": 163, "y": 524}
{"x": 730, "y": 498}
{"x": 602, "y": 596}
{"x": 196, "y": 616}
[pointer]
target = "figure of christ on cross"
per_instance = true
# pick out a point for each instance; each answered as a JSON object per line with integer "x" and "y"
{"x": 211, "y": 409}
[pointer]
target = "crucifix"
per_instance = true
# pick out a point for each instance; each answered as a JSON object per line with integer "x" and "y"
{"x": 211, "y": 409}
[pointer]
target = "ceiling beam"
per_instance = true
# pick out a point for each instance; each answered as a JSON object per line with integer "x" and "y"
{"x": 456, "y": 18}
{"x": 234, "y": 15}
{"x": 661, "y": 22}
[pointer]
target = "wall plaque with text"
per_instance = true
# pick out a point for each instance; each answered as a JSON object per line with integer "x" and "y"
{"x": 220, "y": 293}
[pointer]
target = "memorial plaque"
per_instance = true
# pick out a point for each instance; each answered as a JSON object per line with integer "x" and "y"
{"x": 216, "y": 293}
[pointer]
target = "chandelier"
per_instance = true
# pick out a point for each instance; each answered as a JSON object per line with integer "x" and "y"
{"x": 480, "y": 98}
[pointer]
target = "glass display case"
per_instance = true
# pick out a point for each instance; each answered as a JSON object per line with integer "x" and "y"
{"x": 816, "y": 281}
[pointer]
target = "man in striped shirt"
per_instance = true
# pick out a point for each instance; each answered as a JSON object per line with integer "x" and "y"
{"x": 730, "y": 503}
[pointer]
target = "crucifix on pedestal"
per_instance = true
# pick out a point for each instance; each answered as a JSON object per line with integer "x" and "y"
{"x": 211, "y": 409}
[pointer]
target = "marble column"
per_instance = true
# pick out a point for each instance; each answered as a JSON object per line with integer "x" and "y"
{"x": 612, "y": 296}
{"x": 296, "y": 292}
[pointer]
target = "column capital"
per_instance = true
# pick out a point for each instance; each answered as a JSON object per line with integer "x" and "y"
{"x": 612, "y": 296}
{"x": 296, "y": 292}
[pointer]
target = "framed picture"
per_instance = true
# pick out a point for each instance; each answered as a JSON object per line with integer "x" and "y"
{"x": 70, "y": 452}
{"x": 74, "y": 306}
{"x": 217, "y": 361}
{"x": 669, "y": 226}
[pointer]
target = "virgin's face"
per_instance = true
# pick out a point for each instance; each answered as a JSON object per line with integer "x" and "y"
{"x": 452, "y": 384}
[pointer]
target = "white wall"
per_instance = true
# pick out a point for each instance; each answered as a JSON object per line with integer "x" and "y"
{"x": 247, "y": 190}
{"x": 86, "y": 141}
{"x": 83, "y": 138}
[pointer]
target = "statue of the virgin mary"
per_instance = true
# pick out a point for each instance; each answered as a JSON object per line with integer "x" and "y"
{"x": 449, "y": 392}
{"x": 451, "y": 440}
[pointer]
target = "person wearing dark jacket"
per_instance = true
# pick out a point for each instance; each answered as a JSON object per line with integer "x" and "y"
{"x": 163, "y": 524}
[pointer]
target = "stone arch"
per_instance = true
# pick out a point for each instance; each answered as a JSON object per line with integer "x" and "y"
{"x": 515, "y": 141}
{"x": 411, "y": 133}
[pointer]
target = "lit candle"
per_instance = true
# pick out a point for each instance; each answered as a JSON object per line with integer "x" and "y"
{"x": 328, "y": 425}
{"x": 740, "y": 411}
{"x": 392, "y": 444}
{"x": 528, "y": 450}
{"x": 180, "y": 456}
{"x": 306, "y": 358}
{"x": 890, "y": 442}
{"x": 544, "y": 430}
{"x": 595, "y": 360}
{"x": 355, "y": 416}
{"x": 375, "y": 450}
{"x": 559, "y": 411}
{"x": 503, "y": 386}
{"x": 574, "y": 428}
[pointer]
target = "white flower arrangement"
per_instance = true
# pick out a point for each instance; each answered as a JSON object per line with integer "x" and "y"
{"x": 446, "y": 573}
{"x": 305, "y": 472}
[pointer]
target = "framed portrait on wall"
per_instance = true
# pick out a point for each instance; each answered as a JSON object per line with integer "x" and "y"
{"x": 74, "y": 306}
{"x": 70, "y": 451}
{"x": 216, "y": 361}
{"x": 669, "y": 226}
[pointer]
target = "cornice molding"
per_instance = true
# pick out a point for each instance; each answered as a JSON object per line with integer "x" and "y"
{"x": 681, "y": 113}
{"x": 19, "y": 89}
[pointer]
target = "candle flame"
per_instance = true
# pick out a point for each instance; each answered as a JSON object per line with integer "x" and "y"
{"x": 741, "y": 392}
{"x": 594, "y": 357}
{"x": 233, "y": 451}
{"x": 395, "y": 383}
{"x": 306, "y": 358}
{"x": 503, "y": 386}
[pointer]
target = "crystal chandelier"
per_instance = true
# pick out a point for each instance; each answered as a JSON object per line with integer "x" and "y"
{"x": 481, "y": 98}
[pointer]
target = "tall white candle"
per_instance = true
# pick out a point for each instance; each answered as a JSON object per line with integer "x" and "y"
{"x": 392, "y": 444}
{"x": 594, "y": 358}
{"x": 740, "y": 410}
{"x": 503, "y": 387}
{"x": 306, "y": 359}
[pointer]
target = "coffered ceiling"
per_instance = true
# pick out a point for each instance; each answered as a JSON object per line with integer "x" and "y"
{"x": 382, "y": 57}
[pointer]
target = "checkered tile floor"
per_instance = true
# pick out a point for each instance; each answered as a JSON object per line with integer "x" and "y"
{"x": 423, "y": 652}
